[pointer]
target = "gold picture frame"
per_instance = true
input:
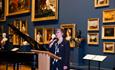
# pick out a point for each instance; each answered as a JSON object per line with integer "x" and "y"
{"x": 69, "y": 27}
{"x": 44, "y": 10}
{"x": 39, "y": 35}
{"x": 93, "y": 24}
{"x": 108, "y": 47}
{"x": 24, "y": 26}
{"x": 108, "y": 32}
{"x": 15, "y": 7}
{"x": 14, "y": 38}
{"x": 48, "y": 34}
{"x": 109, "y": 15}
{"x": 69, "y": 33}
{"x": 101, "y": 3}
{"x": 93, "y": 38}
{"x": 2, "y": 10}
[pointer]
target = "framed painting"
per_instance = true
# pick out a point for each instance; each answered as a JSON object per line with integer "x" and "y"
{"x": 69, "y": 30}
{"x": 44, "y": 10}
{"x": 108, "y": 32}
{"x": 69, "y": 33}
{"x": 15, "y": 7}
{"x": 2, "y": 10}
{"x": 16, "y": 39}
{"x": 93, "y": 24}
{"x": 1, "y": 29}
{"x": 23, "y": 26}
{"x": 108, "y": 47}
{"x": 48, "y": 34}
{"x": 39, "y": 35}
{"x": 101, "y": 3}
{"x": 93, "y": 38}
{"x": 109, "y": 15}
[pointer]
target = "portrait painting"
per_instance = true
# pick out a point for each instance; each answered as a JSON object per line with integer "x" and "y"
{"x": 15, "y": 7}
{"x": 108, "y": 32}
{"x": 69, "y": 33}
{"x": 44, "y": 10}
{"x": 69, "y": 30}
{"x": 48, "y": 34}
{"x": 16, "y": 39}
{"x": 109, "y": 15}
{"x": 16, "y": 23}
{"x": 23, "y": 26}
{"x": 101, "y": 3}
{"x": 108, "y": 47}
{"x": 93, "y": 24}
{"x": 39, "y": 35}
{"x": 2, "y": 10}
{"x": 93, "y": 38}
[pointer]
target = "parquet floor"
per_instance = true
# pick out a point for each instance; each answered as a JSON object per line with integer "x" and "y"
{"x": 10, "y": 67}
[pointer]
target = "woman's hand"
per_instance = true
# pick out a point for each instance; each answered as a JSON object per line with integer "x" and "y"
{"x": 65, "y": 67}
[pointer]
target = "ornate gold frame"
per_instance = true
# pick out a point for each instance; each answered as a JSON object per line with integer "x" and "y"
{"x": 108, "y": 32}
{"x": 109, "y": 15}
{"x": 108, "y": 47}
{"x": 100, "y": 3}
{"x": 17, "y": 9}
{"x": 36, "y": 16}
{"x": 48, "y": 34}
{"x": 3, "y": 18}
{"x": 41, "y": 35}
{"x": 93, "y": 38}
{"x": 93, "y": 24}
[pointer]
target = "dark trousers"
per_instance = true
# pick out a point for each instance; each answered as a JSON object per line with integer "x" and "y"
{"x": 56, "y": 65}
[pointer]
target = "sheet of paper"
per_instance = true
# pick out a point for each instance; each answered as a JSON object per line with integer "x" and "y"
{"x": 14, "y": 49}
{"x": 99, "y": 58}
{"x": 89, "y": 56}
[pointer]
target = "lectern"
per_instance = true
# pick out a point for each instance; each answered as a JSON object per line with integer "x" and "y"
{"x": 44, "y": 59}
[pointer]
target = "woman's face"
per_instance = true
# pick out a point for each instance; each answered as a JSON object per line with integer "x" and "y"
{"x": 59, "y": 33}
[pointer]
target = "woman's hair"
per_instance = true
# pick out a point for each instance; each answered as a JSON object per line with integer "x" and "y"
{"x": 62, "y": 30}
{"x": 69, "y": 31}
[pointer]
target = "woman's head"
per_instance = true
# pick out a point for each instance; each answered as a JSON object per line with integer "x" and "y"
{"x": 68, "y": 32}
{"x": 59, "y": 33}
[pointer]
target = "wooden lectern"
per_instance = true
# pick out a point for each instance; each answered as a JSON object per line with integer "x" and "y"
{"x": 44, "y": 59}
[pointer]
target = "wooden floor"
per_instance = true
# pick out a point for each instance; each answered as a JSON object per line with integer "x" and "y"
{"x": 10, "y": 67}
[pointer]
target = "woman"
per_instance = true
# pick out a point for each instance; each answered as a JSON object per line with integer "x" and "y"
{"x": 68, "y": 34}
{"x": 60, "y": 47}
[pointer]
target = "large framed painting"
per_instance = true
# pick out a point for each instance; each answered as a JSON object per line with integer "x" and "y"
{"x": 93, "y": 38}
{"x": 48, "y": 34}
{"x": 69, "y": 33}
{"x": 44, "y": 10}
{"x": 108, "y": 32}
{"x": 93, "y": 24}
{"x": 39, "y": 35}
{"x": 109, "y": 15}
{"x": 2, "y": 10}
{"x": 15, "y": 7}
{"x": 108, "y": 47}
{"x": 101, "y": 3}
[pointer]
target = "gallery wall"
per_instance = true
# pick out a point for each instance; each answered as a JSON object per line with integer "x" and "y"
{"x": 78, "y": 12}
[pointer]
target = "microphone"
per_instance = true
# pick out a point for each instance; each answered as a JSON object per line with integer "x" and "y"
{"x": 54, "y": 40}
